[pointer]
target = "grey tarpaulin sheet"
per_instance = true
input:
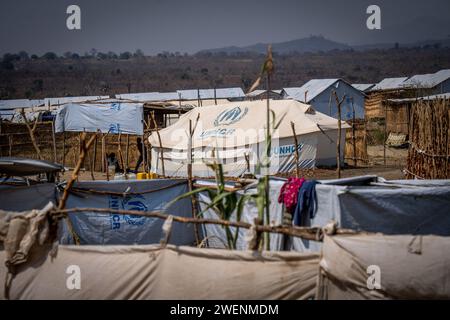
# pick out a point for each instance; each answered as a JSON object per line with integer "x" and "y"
{"x": 152, "y": 272}
{"x": 408, "y": 267}
{"x": 216, "y": 234}
{"x": 100, "y": 228}
{"x": 115, "y": 117}
{"x": 396, "y": 207}
{"x": 23, "y": 198}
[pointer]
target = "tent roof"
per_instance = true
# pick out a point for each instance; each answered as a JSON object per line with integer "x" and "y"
{"x": 242, "y": 123}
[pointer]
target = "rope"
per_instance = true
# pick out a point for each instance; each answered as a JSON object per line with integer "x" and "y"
{"x": 418, "y": 150}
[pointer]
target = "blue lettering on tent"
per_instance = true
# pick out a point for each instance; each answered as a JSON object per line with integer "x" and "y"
{"x": 135, "y": 202}
{"x": 115, "y": 106}
{"x": 114, "y": 128}
{"x": 286, "y": 150}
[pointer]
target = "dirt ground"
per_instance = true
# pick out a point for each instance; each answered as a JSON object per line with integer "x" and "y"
{"x": 395, "y": 162}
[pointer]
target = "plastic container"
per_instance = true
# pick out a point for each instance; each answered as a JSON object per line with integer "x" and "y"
{"x": 141, "y": 175}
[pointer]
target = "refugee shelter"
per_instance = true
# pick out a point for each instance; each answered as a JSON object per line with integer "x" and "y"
{"x": 319, "y": 94}
{"x": 234, "y": 134}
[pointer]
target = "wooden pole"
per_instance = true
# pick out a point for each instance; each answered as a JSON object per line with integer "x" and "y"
{"x": 215, "y": 97}
{"x": 127, "y": 151}
{"x": 354, "y": 134}
{"x": 119, "y": 151}
{"x": 31, "y": 132}
{"x": 338, "y": 144}
{"x": 267, "y": 173}
{"x": 64, "y": 149}
{"x": 54, "y": 142}
{"x": 160, "y": 143}
{"x": 91, "y": 170}
{"x": 62, "y": 202}
{"x": 297, "y": 169}
{"x": 95, "y": 153}
{"x": 384, "y": 134}
{"x": 104, "y": 165}
{"x": 190, "y": 182}
{"x": 10, "y": 142}
{"x": 144, "y": 160}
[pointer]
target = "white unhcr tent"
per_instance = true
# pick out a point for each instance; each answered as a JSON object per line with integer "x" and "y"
{"x": 232, "y": 131}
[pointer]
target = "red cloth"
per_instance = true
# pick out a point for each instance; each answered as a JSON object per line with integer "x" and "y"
{"x": 289, "y": 193}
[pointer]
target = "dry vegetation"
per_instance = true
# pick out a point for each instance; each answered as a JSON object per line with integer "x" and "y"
{"x": 50, "y": 76}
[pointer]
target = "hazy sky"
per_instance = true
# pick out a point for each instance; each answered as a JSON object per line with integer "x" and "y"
{"x": 38, "y": 26}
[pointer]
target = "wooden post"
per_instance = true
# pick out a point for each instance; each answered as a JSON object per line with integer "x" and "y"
{"x": 384, "y": 135}
{"x": 104, "y": 165}
{"x": 64, "y": 149}
{"x": 31, "y": 132}
{"x": 90, "y": 164}
{"x": 127, "y": 151}
{"x": 190, "y": 183}
{"x": 54, "y": 142}
{"x": 62, "y": 202}
{"x": 119, "y": 151}
{"x": 297, "y": 169}
{"x": 198, "y": 98}
{"x": 354, "y": 135}
{"x": 215, "y": 96}
{"x": 267, "y": 173}
{"x": 10, "y": 142}
{"x": 160, "y": 144}
{"x": 95, "y": 153}
{"x": 338, "y": 144}
{"x": 144, "y": 160}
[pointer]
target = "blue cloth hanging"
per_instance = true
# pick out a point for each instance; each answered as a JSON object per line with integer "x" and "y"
{"x": 307, "y": 202}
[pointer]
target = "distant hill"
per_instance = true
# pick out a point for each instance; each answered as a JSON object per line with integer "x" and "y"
{"x": 312, "y": 44}
{"x": 316, "y": 44}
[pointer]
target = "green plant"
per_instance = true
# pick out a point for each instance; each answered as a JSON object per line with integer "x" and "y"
{"x": 222, "y": 202}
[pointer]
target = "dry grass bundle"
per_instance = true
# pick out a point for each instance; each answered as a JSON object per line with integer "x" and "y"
{"x": 428, "y": 155}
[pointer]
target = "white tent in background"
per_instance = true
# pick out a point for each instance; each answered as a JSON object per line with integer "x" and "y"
{"x": 229, "y": 132}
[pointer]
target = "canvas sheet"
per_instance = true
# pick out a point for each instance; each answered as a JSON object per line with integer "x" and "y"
{"x": 149, "y": 272}
{"x": 113, "y": 117}
{"x": 100, "y": 228}
{"x": 404, "y": 267}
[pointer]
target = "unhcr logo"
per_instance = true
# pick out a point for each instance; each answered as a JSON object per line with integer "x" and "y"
{"x": 136, "y": 202}
{"x": 230, "y": 116}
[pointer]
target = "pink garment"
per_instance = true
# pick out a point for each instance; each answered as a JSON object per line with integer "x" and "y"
{"x": 289, "y": 193}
